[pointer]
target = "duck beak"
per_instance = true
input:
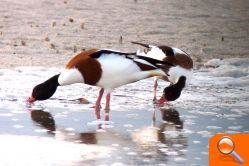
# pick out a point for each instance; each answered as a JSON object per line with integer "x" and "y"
{"x": 161, "y": 101}
{"x": 31, "y": 99}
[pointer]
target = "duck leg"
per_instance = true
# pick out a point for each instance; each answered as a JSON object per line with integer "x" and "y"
{"x": 155, "y": 88}
{"x": 107, "y": 105}
{"x": 162, "y": 100}
{"x": 154, "y": 119}
{"x": 98, "y": 103}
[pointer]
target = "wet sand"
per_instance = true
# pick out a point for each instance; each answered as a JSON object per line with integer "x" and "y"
{"x": 48, "y": 33}
{"x": 62, "y": 131}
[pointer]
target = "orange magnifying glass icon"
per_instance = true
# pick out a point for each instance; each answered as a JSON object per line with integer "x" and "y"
{"x": 226, "y": 146}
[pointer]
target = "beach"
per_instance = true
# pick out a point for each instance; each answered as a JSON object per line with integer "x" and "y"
{"x": 49, "y": 33}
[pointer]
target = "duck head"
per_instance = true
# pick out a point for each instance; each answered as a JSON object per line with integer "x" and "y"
{"x": 44, "y": 90}
{"x": 173, "y": 92}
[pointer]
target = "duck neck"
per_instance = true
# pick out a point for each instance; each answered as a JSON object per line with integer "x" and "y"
{"x": 53, "y": 81}
{"x": 181, "y": 82}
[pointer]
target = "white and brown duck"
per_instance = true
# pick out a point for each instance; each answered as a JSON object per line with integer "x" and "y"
{"x": 106, "y": 69}
{"x": 178, "y": 75}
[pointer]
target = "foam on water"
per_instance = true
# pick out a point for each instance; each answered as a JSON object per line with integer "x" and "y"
{"x": 237, "y": 69}
{"x": 100, "y": 122}
{"x": 180, "y": 159}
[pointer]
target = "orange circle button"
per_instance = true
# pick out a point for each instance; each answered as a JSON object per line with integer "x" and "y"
{"x": 226, "y": 145}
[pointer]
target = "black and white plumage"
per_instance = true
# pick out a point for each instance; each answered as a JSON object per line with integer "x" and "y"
{"x": 106, "y": 69}
{"x": 183, "y": 66}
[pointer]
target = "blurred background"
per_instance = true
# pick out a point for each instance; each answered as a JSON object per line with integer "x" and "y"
{"x": 36, "y": 32}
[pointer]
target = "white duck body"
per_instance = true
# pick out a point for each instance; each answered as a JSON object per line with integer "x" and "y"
{"x": 112, "y": 70}
{"x": 174, "y": 72}
{"x": 118, "y": 70}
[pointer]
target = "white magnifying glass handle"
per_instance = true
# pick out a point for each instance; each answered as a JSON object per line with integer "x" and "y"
{"x": 237, "y": 157}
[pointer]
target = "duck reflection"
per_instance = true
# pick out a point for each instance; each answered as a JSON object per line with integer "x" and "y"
{"x": 171, "y": 123}
{"x": 146, "y": 135}
{"x": 149, "y": 135}
{"x": 81, "y": 138}
{"x": 156, "y": 133}
{"x": 163, "y": 138}
{"x": 171, "y": 115}
{"x": 149, "y": 142}
{"x": 46, "y": 120}
{"x": 43, "y": 118}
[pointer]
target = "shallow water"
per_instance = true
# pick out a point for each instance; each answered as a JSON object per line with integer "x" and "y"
{"x": 61, "y": 131}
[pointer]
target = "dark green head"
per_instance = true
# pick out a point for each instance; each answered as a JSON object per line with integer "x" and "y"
{"x": 44, "y": 90}
{"x": 173, "y": 92}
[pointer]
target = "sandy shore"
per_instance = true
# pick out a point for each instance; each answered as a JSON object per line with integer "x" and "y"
{"x": 48, "y": 33}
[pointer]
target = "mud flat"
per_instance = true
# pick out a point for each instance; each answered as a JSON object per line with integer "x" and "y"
{"x": 48, "y": 33}
{"x": 63, "y": 131}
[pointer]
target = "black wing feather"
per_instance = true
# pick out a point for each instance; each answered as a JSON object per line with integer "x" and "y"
{"x": 100, "y": 52}
{"x": 155, "y": 62}
{"x": 132, "y": 56}
{"x": 141, "y": 44}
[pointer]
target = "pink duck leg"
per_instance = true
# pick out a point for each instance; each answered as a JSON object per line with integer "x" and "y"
{"x": 98, "y": 103}
{"x": 107, "y": 105}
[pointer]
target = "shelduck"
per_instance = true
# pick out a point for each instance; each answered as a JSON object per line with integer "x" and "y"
{"x": 106, "y": 69}
{"x": 178, "y": 75}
